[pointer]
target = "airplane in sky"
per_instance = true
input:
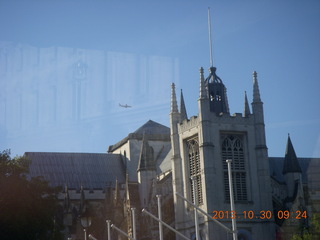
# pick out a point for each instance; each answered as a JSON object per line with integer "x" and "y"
{"x": 124, "y": 106}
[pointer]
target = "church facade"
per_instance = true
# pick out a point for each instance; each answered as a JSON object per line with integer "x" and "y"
{"x": 202, "y": 144}
{"x": 157, "y": 160}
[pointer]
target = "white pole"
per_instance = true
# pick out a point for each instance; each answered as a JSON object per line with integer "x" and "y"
{"x": 85, "y": 234}
{"x": 108, "y": 223}
{"x": 204, "y": 213}
{"x": 92, "y": 237}
{"x": 166, "y": 225}
{"x": 134, "y": 223}
{"x": 195, "y": 195}
{"x": 234, "y": 224}
{"x": 160, "y": 217}
{"x": 122, "y": 232}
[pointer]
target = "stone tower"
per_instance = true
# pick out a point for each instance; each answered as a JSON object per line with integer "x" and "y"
{"x": 200, "y": 147}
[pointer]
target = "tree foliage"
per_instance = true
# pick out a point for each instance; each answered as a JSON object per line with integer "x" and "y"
{"x": 311, "y": 233}
{"x": 28, "y": 207}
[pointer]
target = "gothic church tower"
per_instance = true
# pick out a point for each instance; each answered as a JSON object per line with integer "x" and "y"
{"x": 200, "y": 147}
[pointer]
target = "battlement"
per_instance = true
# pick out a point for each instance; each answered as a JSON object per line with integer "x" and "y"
{"x": 236, "y": 118}
{"x": 188, "y": 124}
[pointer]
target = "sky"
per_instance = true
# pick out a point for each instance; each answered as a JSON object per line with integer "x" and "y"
{"x": 150, "y": 44}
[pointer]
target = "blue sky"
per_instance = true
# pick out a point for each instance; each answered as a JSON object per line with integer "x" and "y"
{"x": 278, "y": 39}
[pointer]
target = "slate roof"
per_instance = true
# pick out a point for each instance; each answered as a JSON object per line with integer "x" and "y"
{"x": 91, "y": 170}
{"x": 309, "y": 168}
{"x": 154, "y": 130}
{"x": 152, "y": 127}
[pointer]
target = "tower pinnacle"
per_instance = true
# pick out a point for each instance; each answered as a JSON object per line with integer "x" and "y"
{"x": 291, "y": 163}
{"x": 246, "y": 112}
{"x": 174, "y": 105}
{"x": 146, "y": 158}
{"x": 183, "y": 111}
{"x": 256, "y": 91}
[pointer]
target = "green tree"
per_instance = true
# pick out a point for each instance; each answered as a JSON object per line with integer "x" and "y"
{"x": 28, "y": 207}
{"x": 304, "y": 236}
{"x": 316, "y": 222}
{"x": 311, "y": 233}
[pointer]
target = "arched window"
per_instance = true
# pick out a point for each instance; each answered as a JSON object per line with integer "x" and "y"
{"x": 232, "y": 148}
{"x": 195, "y": 168}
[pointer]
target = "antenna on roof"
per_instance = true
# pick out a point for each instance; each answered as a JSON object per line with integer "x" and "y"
{"x": 210, "y": 38}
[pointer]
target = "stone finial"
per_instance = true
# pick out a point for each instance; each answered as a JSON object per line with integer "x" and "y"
{"x": 256, "y": 91}
{"x": 254, "y": 74}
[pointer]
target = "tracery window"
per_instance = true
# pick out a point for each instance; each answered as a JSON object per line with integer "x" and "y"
{"x": 195, "y": 169}
{"x": 232, "y": 148}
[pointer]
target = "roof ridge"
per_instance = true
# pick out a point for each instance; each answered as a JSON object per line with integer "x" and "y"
{"x": 147, "y": 128}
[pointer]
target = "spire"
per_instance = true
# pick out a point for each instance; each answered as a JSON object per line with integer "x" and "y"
{"x": 174, "y": 105}
{"x": 183, "y": 111}
{"x": 146, "y": 159}
{"x": 210, "y": 38}
{"x": 291, "y": 163}
{"x": 256, "y": 91}
{"x": 202, "y": 85}
{"x": 246, "y": 112}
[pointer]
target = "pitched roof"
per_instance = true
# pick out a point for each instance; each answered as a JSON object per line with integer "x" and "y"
{"x": 91, "y": 170}
{"x": 152, "y": 127}
{"x": 309, "y": 169}
{"x": 154, "y": 130}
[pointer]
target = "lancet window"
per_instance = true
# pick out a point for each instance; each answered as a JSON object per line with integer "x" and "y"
{"x": 232, "y": 148}
{"x": 195, "y": 169}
